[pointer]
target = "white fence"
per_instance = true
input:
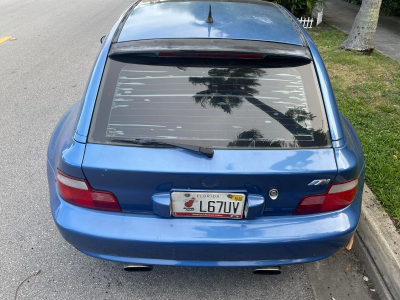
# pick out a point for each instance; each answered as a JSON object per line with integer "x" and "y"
{"x": 319, "y": 17}
{"x": 307, "y": 23}
{"x": 317, "y": 13}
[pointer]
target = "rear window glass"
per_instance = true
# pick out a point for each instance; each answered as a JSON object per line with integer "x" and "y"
{"x": 217, "y": 103}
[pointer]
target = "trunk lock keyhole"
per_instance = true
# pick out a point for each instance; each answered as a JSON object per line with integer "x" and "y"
{"x": 273, "y": 194}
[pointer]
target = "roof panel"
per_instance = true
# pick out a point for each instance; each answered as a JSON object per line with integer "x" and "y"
{"x": 232, "y": 20}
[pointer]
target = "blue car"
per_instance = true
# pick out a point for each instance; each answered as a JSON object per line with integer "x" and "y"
{"x": 208, "y": 135}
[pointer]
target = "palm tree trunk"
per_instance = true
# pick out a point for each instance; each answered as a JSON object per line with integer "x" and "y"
{"x": 291, "y": 125}
{"x": 361, "y": 37}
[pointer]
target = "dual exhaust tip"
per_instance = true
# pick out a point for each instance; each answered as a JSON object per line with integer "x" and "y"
{"x": 272, "y": 270}
{"x": 137, "y": 268}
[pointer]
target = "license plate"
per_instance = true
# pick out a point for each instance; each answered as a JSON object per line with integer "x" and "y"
{"x": 210, "y": 205}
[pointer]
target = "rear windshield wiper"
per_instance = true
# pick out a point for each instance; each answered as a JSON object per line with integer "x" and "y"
{"x": 206, "y": 151}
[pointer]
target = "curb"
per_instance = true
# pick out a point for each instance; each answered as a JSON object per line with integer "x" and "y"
{"x": 381, "y": 242}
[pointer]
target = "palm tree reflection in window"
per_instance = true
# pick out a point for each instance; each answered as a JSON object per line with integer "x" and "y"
{"x": 254, "y": 138}
{"x": 299, "y": 114}
{"x": 228, "y": 88}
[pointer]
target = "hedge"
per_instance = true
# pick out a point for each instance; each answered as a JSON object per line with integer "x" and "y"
{"x": 388, "y": 7}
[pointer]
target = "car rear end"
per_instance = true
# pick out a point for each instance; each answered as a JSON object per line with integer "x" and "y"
{"x": 278, "y": 189}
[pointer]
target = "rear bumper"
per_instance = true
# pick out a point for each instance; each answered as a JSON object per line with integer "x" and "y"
{"x": 150, "y": 239}
{"x": 154, "y": 240}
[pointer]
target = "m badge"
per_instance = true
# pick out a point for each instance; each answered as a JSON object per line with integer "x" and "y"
{"x": 320, "y": 182}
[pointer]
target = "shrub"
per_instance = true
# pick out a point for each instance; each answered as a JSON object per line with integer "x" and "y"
{"x": 388, "y": 7}
{"x": 299, "y": 8}
{"x": 354, "y": 1}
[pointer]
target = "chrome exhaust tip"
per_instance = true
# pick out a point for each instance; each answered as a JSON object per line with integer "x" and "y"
{"x": 272, "y": 270}
{"x": 137, "y": 268}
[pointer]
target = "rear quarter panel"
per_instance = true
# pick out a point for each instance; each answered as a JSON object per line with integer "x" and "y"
{"x": 348, "y": 151}
{"x": 64, "y": 152}
{"x": 353, "y": 145}
{"x": 350, "y": 161}
{"x": 347, "y": 146}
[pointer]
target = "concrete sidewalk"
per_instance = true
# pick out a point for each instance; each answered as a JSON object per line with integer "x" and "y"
{"x": 342, "y": 14}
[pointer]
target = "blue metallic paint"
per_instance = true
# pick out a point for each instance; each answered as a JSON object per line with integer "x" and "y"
{"x": 256, "y": 204}
{"x": 64, "y": 152}
{"x": 200, "y": 263}
{"x": 161, "y": 204}
{"x": 151, "y": 239}
{"x": 127, "y": 173}
{"x": 350, "y": 157}
{"x": 173, "y": 241}
{"x": 232, "y": 20}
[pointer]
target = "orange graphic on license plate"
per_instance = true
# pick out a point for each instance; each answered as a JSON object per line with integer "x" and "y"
{"x": 237, "y": 198}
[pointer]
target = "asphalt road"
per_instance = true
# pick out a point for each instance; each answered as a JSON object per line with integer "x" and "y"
{"x": 42, "y": 73}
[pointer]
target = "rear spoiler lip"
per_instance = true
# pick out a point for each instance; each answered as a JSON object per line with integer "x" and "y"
{"x": 210, "y": 45}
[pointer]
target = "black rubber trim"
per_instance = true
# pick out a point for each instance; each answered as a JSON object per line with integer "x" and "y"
{"x": 209, "y": 45}
{"x": 290, "y": 17}
{"x": 121, "y": 25}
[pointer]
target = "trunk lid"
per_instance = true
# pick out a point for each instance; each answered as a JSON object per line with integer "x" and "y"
{"x": 135, "y": 174}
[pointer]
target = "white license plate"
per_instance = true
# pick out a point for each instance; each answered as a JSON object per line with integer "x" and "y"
{"x": 210, "y": 205}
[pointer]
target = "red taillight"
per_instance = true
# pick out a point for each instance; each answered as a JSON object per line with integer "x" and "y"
{"x": 338, "y": 196}
{"x": 212, "y": 55}
{"x": 79, "y": 192}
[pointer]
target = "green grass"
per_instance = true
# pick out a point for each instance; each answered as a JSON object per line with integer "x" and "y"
{"x": 367, "y": 90}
